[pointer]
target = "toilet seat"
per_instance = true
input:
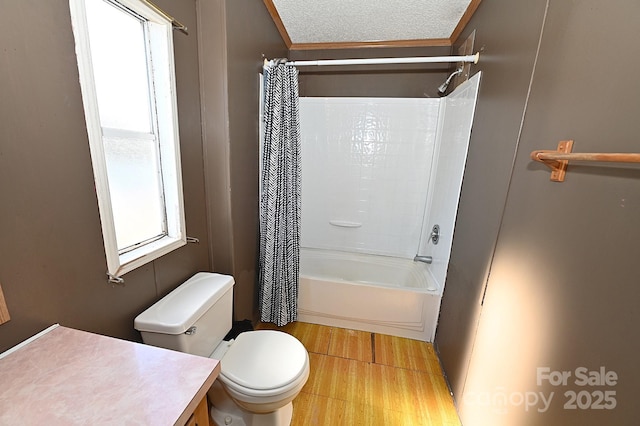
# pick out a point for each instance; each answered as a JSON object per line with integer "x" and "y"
{"x": 264, "y": 363}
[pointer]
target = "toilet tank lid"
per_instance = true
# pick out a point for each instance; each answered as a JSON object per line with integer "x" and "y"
{"x": 180, "y": 309}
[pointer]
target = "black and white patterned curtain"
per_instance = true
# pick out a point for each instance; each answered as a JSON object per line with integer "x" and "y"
{"x": 280, "y": 197}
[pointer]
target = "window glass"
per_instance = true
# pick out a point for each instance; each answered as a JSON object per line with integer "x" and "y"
{"x": 118, "y": 54}
{"x": 119, "y": 60}
{"x": 134, "y": 185}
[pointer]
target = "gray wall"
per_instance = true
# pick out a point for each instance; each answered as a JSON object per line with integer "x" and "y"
{"x": 411, "y": 81}
{"x": 52, "y": 262}
{"x": 507, "y": 35}
{"x": 562, "y": 289}
{"x": 234, "y": 35}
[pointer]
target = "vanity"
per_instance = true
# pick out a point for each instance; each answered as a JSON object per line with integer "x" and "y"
{"x": 64, "y": 376}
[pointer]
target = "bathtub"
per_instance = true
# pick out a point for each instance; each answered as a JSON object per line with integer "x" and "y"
{"x": 378, "y": 294}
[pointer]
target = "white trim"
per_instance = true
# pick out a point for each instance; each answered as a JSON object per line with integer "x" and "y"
{"x": 126, "y": 134}
{"x": 94, "y": 131}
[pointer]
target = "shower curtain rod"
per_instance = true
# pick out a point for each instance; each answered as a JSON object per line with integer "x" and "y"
{"x": 377, "y": 61}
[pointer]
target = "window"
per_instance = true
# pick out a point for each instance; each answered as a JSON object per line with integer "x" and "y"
{"x": 125, "y": 61}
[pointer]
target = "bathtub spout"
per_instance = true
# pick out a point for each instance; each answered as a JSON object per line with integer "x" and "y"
{"x": 425, "y": 259}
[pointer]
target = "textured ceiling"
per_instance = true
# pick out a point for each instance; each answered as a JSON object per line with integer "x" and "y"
{"x": 326, "y": 22}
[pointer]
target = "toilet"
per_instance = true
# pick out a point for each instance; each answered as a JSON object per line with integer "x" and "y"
{"x": 261, "y": 371}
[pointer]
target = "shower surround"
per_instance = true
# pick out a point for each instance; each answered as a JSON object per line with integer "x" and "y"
{"x": 366, "y": 166}
{"x": 377, "y": 174}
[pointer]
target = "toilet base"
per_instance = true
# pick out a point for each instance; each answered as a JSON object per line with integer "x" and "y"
{"x": 240, "y": 417}
{"x": 225, "y": 411}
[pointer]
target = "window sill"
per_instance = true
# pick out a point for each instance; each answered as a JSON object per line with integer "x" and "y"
{"x": 142, "y": 255}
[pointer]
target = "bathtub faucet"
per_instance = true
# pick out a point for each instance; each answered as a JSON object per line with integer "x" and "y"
{"x": 425, "y": 259}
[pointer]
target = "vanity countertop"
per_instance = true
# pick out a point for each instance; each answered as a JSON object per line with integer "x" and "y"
{"x": 71, "y": 377}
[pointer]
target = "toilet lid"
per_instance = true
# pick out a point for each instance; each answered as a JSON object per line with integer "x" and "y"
{"x": 264, "y": 359}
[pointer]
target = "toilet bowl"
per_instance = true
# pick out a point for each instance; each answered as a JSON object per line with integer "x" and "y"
{"x": 261, "y": 371}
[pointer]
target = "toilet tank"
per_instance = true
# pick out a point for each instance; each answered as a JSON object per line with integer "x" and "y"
{"x": 193, "y": 318}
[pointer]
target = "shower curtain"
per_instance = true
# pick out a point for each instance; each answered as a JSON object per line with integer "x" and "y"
{"x": 280, "y": 208}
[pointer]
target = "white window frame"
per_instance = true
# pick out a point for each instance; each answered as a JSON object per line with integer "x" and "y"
{"x": 160, "y": 45}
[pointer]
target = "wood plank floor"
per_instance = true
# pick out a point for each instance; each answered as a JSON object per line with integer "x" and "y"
{"x": 361, "y": 378}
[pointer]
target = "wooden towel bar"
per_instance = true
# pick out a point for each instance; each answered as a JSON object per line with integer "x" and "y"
{"x": 559, "y": 159}
{"x": 4, "y": 312}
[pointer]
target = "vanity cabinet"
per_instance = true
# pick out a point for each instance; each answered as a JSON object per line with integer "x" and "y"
{"x": 200, "y": 416}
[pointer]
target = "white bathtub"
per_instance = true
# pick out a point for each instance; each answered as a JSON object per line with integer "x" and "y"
{"x": 372, "y": 293}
